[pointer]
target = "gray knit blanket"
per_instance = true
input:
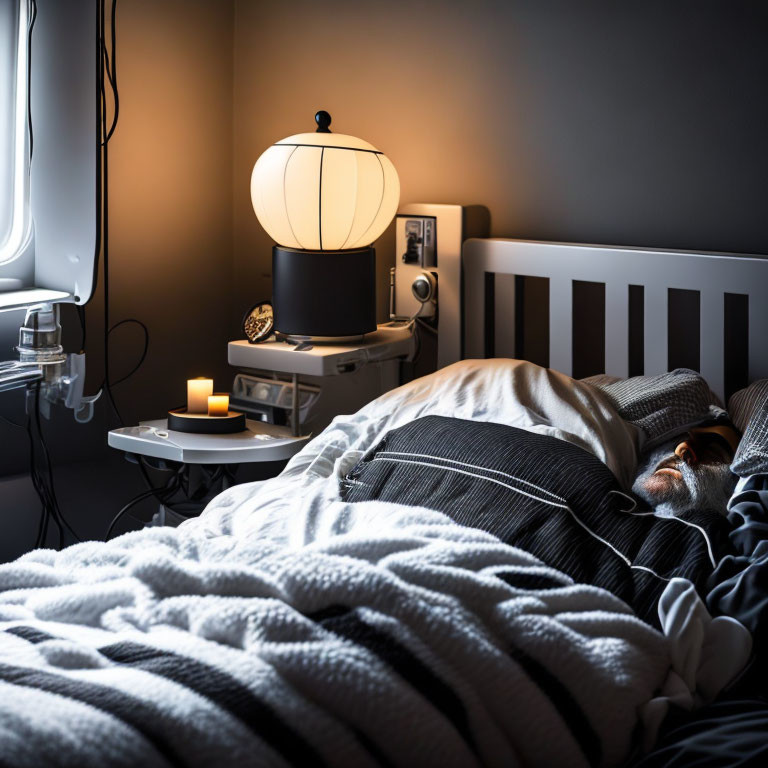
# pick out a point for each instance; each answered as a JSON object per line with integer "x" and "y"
{"x": 391, "y": 636}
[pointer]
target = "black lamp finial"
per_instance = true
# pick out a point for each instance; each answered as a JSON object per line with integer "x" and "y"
{"x": 323, "y": 120}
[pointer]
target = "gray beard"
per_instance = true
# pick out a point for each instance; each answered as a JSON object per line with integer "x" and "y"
{"x": 704, "y": 487}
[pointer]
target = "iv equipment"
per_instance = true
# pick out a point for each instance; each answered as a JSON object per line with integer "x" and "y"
{"x": 43, "y": 363}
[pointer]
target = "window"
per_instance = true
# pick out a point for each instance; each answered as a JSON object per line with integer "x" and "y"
{"x": 14, "y": 147}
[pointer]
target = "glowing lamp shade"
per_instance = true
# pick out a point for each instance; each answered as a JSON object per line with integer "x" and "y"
{"x": 324, "y": 192}
{"x": 324, "y": 198}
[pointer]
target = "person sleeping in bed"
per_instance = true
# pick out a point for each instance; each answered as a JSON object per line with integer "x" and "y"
{"x": 694, "y": 454}
{"x": 690, "y": 471}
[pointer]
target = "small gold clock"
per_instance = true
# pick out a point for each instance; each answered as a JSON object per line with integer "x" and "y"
{"x": 259, "y": 322}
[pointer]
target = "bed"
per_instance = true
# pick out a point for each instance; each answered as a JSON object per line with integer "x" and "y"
{"x": 373, "y": 605}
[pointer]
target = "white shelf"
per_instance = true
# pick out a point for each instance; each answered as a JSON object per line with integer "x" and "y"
{"x": 259, "y": 442}
{"x": 27, "y": 297}
{"x": 386, "y": 343}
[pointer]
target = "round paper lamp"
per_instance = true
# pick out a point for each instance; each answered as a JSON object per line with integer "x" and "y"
{"x": 324, "y": 198}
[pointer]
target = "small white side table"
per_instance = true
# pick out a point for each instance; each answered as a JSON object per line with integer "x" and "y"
{"x": 259, "y": 442}
{"x": 204, "y": 460}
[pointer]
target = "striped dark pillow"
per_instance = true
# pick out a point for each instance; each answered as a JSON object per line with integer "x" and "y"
{"x": 544, "y": 495}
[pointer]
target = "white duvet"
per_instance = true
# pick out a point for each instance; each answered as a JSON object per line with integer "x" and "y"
{"x": 365, "y": 633}
{"x": 512, "y": 392}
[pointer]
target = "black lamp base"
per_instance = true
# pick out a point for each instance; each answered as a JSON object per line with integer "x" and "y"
{"x": 203, "y": 424}
{"x": 324, "y": 295}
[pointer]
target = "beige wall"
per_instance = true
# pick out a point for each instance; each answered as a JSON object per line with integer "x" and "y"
{"x": 171, "y": 195}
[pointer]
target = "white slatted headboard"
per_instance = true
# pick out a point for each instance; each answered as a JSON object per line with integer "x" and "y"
{"x": 713, "y": 275}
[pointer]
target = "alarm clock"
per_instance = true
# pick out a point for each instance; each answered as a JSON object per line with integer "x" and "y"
{"x": 259, "y": 322}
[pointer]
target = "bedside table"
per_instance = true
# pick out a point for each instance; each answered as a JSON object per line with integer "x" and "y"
{"x": 200, "y": 465}
{"x": 259, "y": 442}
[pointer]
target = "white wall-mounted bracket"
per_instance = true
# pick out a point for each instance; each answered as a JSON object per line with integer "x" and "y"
{"x": 440, "y": 255}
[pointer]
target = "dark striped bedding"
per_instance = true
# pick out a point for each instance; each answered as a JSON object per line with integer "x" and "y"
{"x": 546, "y": 496}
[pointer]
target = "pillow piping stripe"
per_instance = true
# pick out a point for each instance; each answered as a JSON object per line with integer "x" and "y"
{"x": 474, "y": 466}
{"x": 578, "y": 520}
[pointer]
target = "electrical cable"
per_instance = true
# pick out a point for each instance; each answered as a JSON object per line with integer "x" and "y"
{"x": 145, "y": 472}
{"x": 40, "y": 489}
{"x": 43, "y": 480}
{"x": 42, "y": 528}
{"x": 426, "y": 326}
{"x": 10, "y": 423}
{"x": 109, "y": 66}
{"x": 105, "y": 208}
{"x": 56, "y": 512}
{"x": 31, "y": 27}
{"x": 37, "y": 481}
{"x": 161, "y": 493}
{"x": 143, "y": 353}
{"x": 81, "y": 318}
{"x": 112, "y": 70}
{"x": 132, "y": 503}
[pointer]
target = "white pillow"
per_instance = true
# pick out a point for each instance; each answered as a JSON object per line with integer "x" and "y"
{"x": 513, "y": 392}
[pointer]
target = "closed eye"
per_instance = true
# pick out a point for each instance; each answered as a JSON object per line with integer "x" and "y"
{"x": 715, "y": 445}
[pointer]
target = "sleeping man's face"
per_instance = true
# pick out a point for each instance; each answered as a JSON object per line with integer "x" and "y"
{"x": 689, "y": 472}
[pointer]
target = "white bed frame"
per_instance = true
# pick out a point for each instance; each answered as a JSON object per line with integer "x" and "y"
{"x": 712, "y": 274}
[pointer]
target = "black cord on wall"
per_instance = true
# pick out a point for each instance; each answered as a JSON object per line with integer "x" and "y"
{"x": 108, "y": 73}
{"x": 108, "y": 59}
{"x": 162, "y": 494}
{"x": 32, "y": 21}
{"x": 106, "y": 133}
{"x": 41, "y": 473}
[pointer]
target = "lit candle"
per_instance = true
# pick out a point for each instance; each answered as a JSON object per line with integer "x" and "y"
{"x": 198, "y": 392}
{"x": 218, "y": 405}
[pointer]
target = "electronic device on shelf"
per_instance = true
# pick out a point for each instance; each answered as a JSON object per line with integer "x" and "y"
{"x": 387, "y": 342}
{"x": 270, "y": 400}
{"x": 427, "y": 271}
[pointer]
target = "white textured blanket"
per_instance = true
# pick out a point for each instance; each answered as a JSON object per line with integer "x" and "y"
{"x": 395, "y": 637}
{"x": 285, "y": 627}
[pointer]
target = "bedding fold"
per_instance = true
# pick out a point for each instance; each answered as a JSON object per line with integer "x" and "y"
{"x": 394, "y": 637}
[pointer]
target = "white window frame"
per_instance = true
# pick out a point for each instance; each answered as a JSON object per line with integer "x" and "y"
{"x": 20, "y": 221}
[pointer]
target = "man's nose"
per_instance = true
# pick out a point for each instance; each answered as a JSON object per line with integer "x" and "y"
{"x": 685, "y": 452}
